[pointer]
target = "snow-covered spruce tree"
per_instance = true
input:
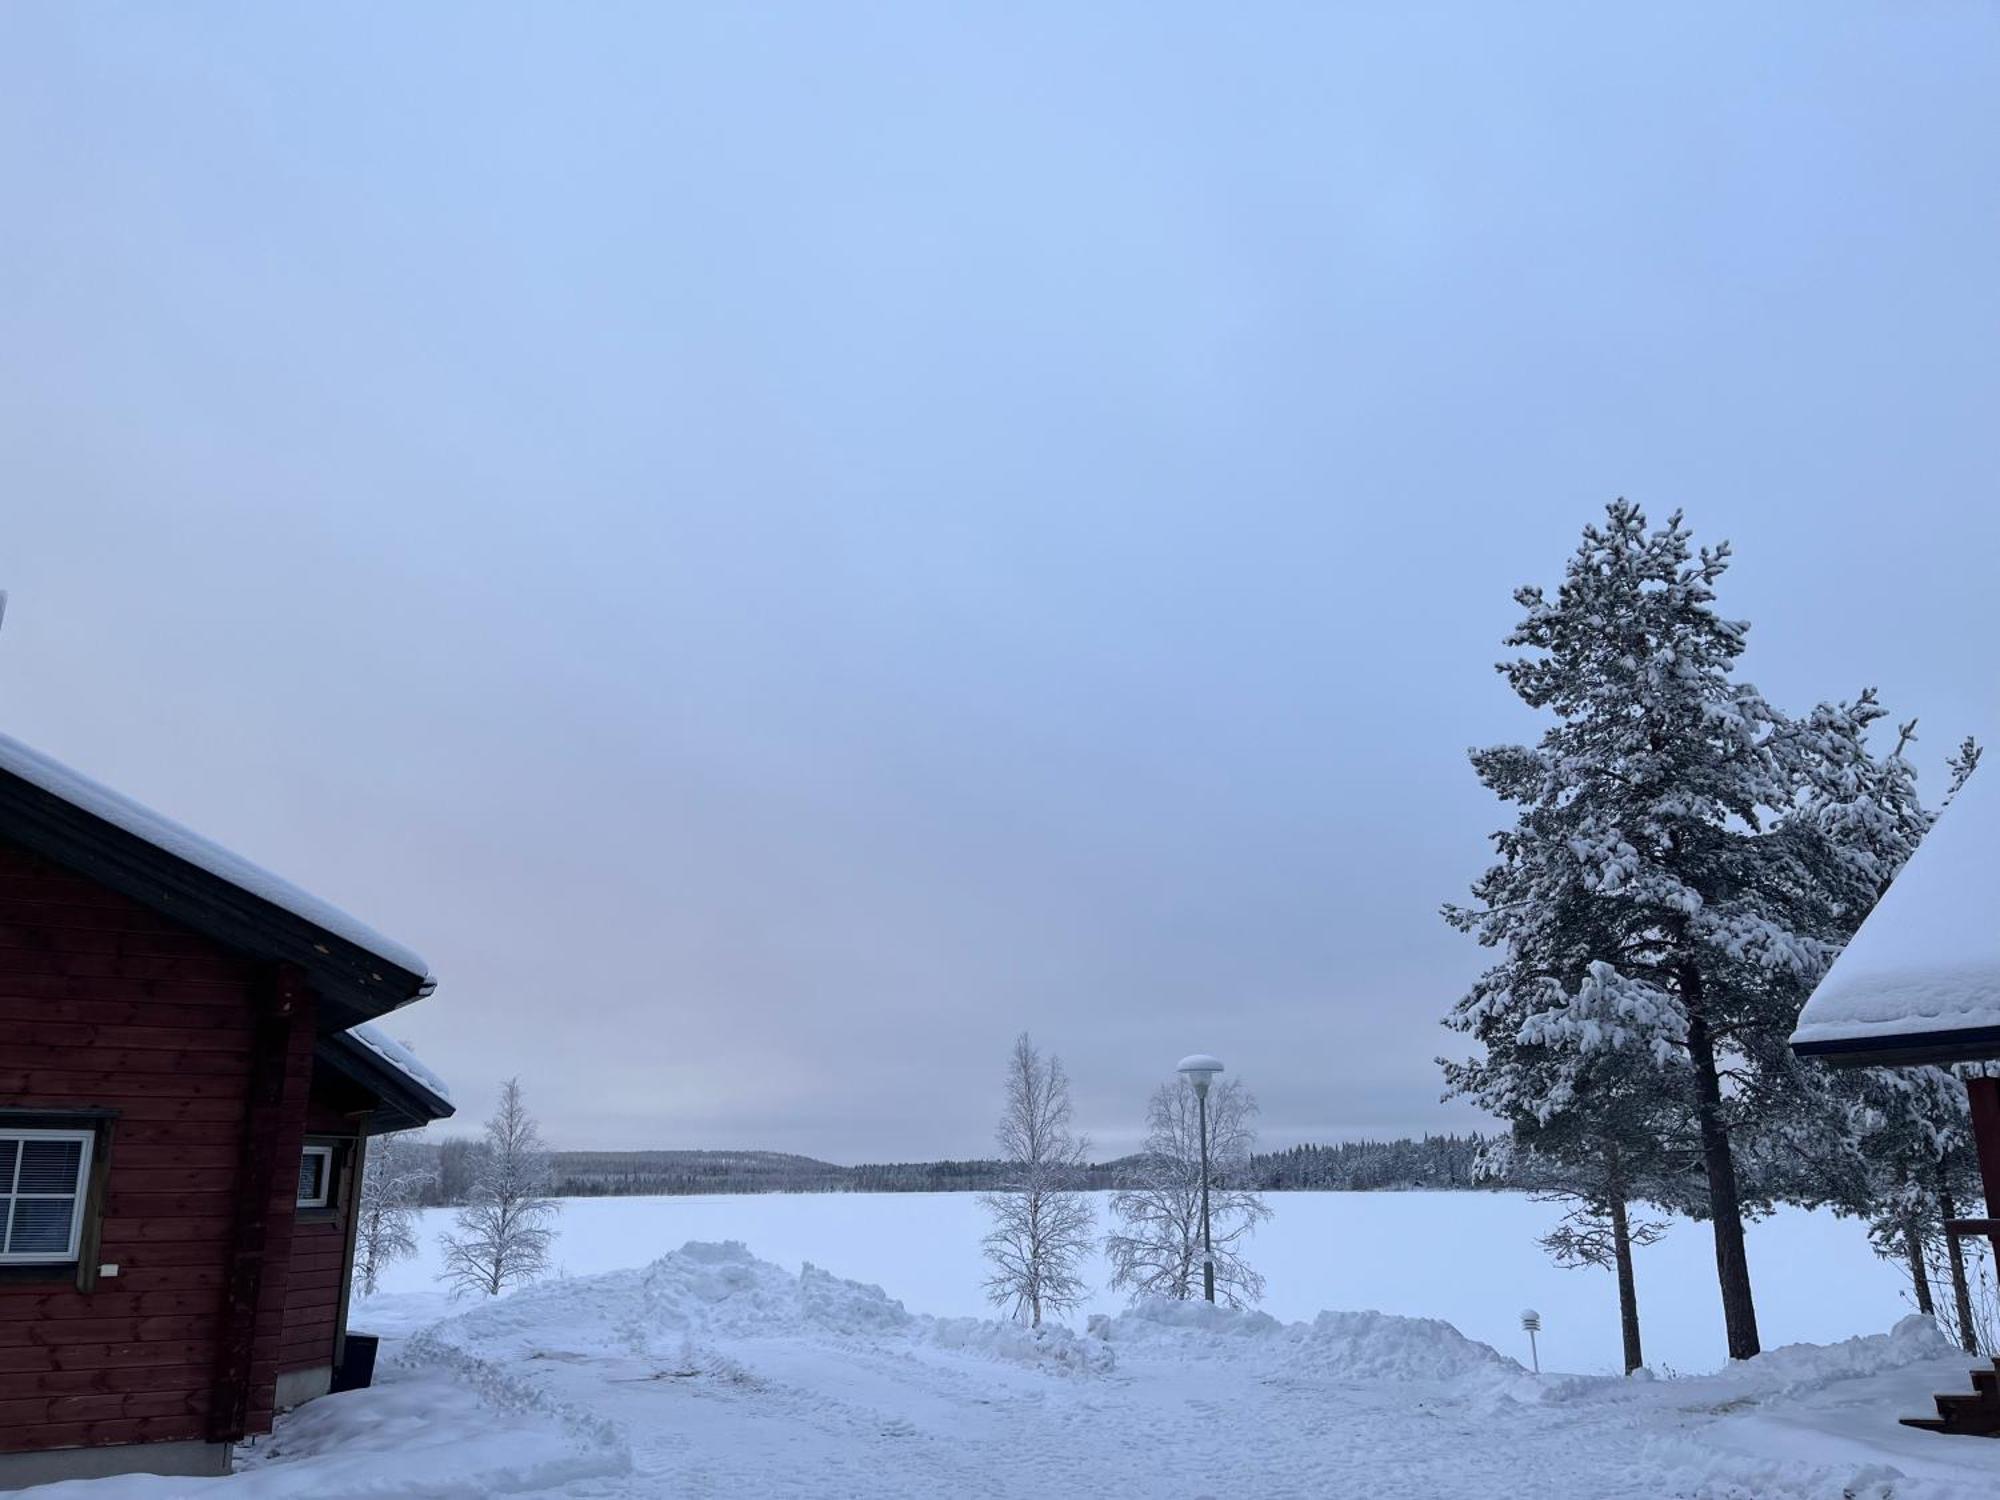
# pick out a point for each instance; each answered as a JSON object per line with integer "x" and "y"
{"x": 1041, "y": 1230}
{"x": 1660, "y": 898}
{"x": 503, "y": 1235}
{"x": 385, "y": 1228}
{"x": 1156, "y": 1250}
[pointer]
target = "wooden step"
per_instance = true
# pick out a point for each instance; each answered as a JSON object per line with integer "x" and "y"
{"x": 1953, "y": 1404}
{"x": 1974, "y": 1413}
{"x": 1967, "y": 1416}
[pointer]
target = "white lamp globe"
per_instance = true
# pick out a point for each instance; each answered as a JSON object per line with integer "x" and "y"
{"x": 1199, "y": 1069}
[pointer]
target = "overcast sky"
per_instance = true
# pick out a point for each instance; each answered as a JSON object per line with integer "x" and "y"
{"x": 781, "y": 545}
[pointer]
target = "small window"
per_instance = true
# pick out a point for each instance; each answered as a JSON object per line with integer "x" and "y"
{"x": 316, "y": 1177}
{"x": 44, "y": 1175}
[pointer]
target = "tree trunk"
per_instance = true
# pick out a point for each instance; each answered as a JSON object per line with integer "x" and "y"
{"x": 1961, "y": 1291}
{"x": 1628, "y": 1291}
{"x": 1732, "y": 1262}
{"x": 1920, "y": 1276}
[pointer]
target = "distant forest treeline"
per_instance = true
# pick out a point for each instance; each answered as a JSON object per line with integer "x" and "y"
{"x": 1434, "y": 1161}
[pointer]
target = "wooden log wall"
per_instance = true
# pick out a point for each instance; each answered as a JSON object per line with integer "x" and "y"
{"x": 105, "y": 1004}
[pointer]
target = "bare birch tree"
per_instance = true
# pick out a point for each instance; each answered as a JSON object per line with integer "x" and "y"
{"x": 1042, "y": 1222}
{"x": 385, "y": 1228}
{"x": 1157, "y": 1250}
{"x": 503, "y": 1235}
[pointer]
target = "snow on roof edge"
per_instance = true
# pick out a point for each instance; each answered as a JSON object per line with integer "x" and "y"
{"x": 399, "y": 1057}
{"x": 183, "y": 843}
{"x": 1923, "y": 1002}
{"x": 1926, "y": 962}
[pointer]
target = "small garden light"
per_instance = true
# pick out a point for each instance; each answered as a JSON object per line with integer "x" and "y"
{"x": 1532, "y": 1322}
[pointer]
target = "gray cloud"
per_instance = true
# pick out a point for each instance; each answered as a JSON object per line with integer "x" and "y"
{"x": 782, "y": 548}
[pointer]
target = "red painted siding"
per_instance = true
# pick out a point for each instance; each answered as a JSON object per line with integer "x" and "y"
{"x": 104, "y": 1003}
{"x": 312, "y": 1301}
{"x": 319, "y": 1251}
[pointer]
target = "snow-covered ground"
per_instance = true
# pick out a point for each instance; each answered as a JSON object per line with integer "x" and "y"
{"x": 703, "y": 1369}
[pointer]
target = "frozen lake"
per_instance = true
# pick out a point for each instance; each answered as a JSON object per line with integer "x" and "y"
{"x": 1469, "y": 1258}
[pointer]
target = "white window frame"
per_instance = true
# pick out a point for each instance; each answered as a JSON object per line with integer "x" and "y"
{"x": 325, "y": 1198}
{"x": 68, "y": 1256}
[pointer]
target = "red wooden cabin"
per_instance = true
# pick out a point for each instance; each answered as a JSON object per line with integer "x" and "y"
{"x": 1920, "y": 983}
{"x": 187, "y": 1086}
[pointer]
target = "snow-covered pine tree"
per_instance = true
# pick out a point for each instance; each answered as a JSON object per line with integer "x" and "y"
{"x": 1658, "y": 825}
{"x": 1964, "y": 761}
{"x": 1601, "y": 1229}
{"x": 1156, "y": 1251}
{"x": 385, "y": 1228}
{"x": 503, "y": 1234}
{"x": 1042, "y": 1220}
{"x": 1586, "y": 1129}
{"x": 1914, "y": 1163}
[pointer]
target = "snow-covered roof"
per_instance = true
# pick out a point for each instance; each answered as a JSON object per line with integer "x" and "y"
{"x": 163, "y": 833}
{"x": 401, "y": 1058}
{"x": 1921, "y": 979}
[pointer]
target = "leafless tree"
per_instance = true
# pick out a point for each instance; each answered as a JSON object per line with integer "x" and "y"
{"x": 385, "y": 1229}
{"x": 1042, "y": 1223}
{"x": 503, "y": 1235}
{"x": 1157, "y": 1250}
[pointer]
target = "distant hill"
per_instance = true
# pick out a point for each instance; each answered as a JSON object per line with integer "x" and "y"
{"x": 591, "y": 1174}
{"x": 1434, "y": 1161}
{"x": 587, "y": 1174}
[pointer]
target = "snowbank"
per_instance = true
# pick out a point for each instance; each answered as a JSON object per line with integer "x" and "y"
{"x": 1359, "y": 1346}
{"x": 704, "y": 1290}
{"x": 1050, "y": 1347}
{"x": 707, "y": 1292}
{"x": 1791, "y": 1371}
{"x": 453, "y": 1431}
{"x": 1798, "y": 1368}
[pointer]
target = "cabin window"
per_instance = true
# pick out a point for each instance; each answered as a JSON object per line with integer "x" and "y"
{"x": 316, "y": 1177}
{"x": 44, "y": 1179}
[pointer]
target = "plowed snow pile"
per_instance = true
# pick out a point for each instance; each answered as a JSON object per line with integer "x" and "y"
{"x": 700, "y": 1291}
{"x": 1368, "y": 1346}
{"x": 704, "y": 1293}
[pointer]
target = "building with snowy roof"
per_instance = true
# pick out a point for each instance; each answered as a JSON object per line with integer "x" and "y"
{"x": 1920, "y": 983}
{"x": 188, "y": 1082}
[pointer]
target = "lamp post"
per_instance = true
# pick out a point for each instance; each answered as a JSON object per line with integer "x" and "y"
{"x": 1200, "y": 1070}
{"x": 1531, "y": 1324}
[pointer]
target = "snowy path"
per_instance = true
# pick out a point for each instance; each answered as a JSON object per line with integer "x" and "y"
{"x": 710, "y": 1373}
{"x": 847, "y": 1423}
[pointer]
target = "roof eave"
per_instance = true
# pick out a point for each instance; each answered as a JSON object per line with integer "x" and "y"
{"x": 405, "y": 1103}
{"x": 1905, "y": 1049}
{"x": 353, "y": 984}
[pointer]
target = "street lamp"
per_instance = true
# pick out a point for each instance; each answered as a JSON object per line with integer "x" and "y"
{"x": 1200, "y": 1070}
